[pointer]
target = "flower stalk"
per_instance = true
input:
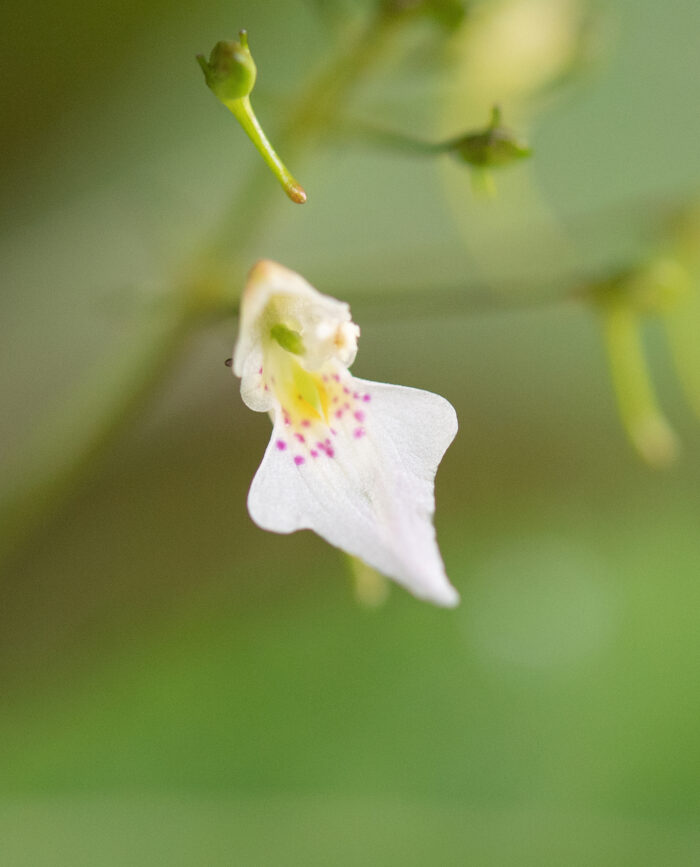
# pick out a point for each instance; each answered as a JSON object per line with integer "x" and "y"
{"x": 641, "y": 416}
{"x": 230, "y": 73}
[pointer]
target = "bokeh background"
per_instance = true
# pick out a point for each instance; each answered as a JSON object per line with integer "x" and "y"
{"x": 176, "y": 686}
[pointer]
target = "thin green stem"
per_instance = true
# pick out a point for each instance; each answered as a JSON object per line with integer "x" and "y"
{"x": 244, "y": 114}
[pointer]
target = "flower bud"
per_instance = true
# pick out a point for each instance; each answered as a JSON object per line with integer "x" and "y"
{"x": 492, "y": 147}
{"x": 230, "y": 72}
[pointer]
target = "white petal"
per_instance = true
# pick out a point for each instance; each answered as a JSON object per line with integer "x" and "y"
{"x": 369, "y": 491}
{"x": 271, "y": 287}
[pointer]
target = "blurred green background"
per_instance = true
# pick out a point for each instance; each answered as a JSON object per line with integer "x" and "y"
{"x": 178, "y": 687}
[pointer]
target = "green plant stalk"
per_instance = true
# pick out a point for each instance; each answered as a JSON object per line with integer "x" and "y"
{"x": 242, "y": 110}
{"x": 646, "y": 426}
{"x": 67, "y": 444}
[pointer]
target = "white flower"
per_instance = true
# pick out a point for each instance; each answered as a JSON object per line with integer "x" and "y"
{"x": 350, "y": 459}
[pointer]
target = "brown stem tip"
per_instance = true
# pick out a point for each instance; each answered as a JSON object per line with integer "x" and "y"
{"x": 296, "y": 194}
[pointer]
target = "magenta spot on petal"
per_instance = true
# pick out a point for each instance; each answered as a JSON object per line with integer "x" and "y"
{"x": 339, "y": 413}
{"x": 334, "y": 431}
{"x": 314, "y": 453}
{"x": 335, "y": 399}
{"x": 346, "y": 405}
{"x": 366, "y": 398}
{"x": 359, "y": 415}
{"x": 306, "y": 423}
{"x": 330, "y": 452}
{"x": 358, "y": 433}
{"x": 281, "y": 445}
{"x": 300, "y": 437}
{"x": 336, "y": 377}
{"x": 346, "y": 389}
{"x": 266, "y": 388}
{"x": 356, "y": 395}
{"x": 298, "y": 460}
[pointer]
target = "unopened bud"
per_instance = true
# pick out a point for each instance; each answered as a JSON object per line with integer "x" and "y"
{"x": 230, "y": 72}
{"x": 492, "y": 147}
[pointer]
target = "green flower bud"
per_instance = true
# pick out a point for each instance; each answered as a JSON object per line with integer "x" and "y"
{"x": 492, "y": 147}
{"x": 230, "y": 72}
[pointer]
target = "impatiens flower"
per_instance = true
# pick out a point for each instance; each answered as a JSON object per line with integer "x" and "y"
{"x": 350, "y": 459}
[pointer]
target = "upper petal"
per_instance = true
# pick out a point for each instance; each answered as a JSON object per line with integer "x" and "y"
{"x": 367, "y": 487}
{"x": 274, "y": 295}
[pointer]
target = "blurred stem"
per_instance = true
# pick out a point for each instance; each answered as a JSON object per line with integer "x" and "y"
{"x": 64, "y": 448}
{"x": 682, "y": 326}
{"x": 69, "y": 442}
{"x": 641, "y": 416}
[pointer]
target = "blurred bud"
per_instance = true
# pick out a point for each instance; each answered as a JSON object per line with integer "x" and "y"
{"x": 510, "y": 50}
{"x": 449, "y": 13}
{"x": 371, "y": 588}
{"x": 492, "y": 147}
{"x": 230, "y": 72}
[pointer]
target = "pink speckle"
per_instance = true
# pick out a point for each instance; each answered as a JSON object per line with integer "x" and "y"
{"x": 330, "y": 452}
{"x": 346, "y": 389}
{"x": 339, "y": 413}
{"x": 281, "y": 445}
{"x": 314, "y": 453}
{"x": 356, "y": 395}
{"x": 366, "y": 398}
{"x": 358, "y": 433}
{"x": 260, "y": 370}
{"x": 336, "y": 377}
{"x": 359, "y": 415}
{"x": 306, "y": 423}
{"x": 334, "y": 431}
{"x": 346, "y": 405}
{"x": 298, "y": 460}
{"x": 300, "y": 437}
